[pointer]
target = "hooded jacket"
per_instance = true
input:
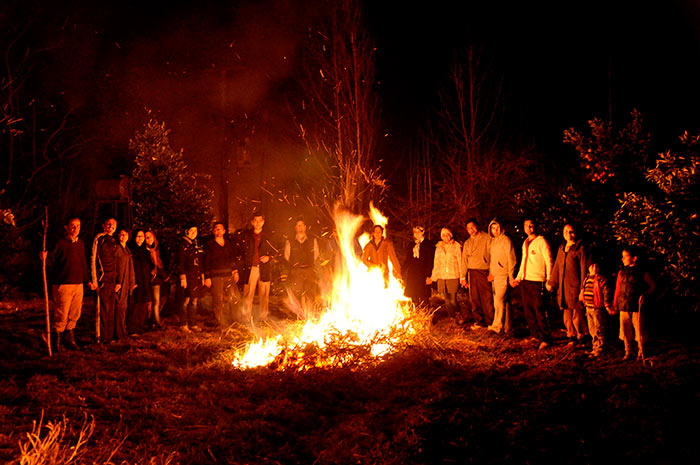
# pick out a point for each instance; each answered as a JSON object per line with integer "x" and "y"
{"x": 536, "y": 262}
{"x": 503, "y": 259}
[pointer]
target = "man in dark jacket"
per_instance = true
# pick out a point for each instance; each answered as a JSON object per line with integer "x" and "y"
{"x": 257, "y": 254}
{"x": 302, "y": 253}
{"x": 221, "y": 272}
{"x": 103, "y": 266}
{"x": 68, "y": 271}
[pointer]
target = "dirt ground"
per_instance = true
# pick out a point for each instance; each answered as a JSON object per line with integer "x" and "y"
{"x": 470, "y": 397}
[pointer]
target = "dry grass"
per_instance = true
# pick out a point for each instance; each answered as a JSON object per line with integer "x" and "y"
{"x": 445, "y": 396}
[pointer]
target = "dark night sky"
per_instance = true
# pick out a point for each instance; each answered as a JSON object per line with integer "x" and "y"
{"x": 554, "y": 60}
{"x": 121, "y": 57}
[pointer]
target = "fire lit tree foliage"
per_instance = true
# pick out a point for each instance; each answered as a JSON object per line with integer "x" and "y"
{"x": 665, "y": 223}
{"x": 475, "y": 171}
{"x": 619, "y": 199}
{"x": 166, "y": 195}
{"x": 340, "y": 114}
{"x": 610, "y": 161}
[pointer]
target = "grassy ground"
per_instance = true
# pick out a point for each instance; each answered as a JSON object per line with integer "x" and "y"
{"x": 471, "y": 397}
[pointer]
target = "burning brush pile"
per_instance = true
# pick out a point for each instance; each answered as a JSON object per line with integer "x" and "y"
{"x": 366, "y": 316}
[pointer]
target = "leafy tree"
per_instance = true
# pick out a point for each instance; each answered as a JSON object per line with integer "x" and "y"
{"x": 166, "y": 195}
{"x": 664, "y": 222}
{"x": 610, "y": 161}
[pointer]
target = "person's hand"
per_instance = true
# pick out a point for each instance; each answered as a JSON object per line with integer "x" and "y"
{"x": 610, "y": 311}
{"x": 548, "y": 287}
{"x": 515, "y": 283}
{"x": 134, "y": 286}
{"x": 463, "y": 283}
{"x": 207, "y": 282}
{"x": 235, "y": 276}
{"x": 490, "y": 278}
{"x": 428, "y": 281}
{"x": 264, "y": 259}
{"x": 117, "y": 288}
{"x": 92, "y": 286}
{"x": 641, "y": 301}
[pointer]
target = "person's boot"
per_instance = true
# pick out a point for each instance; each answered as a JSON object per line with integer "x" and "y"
{"x": 58, "y": 342}
{"x": 70, "y": 340}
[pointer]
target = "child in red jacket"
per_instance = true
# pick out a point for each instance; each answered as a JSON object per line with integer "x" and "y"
{"x": 596, "y": 297}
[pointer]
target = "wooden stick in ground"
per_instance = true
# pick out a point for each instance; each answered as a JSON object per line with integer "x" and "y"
{"x": 98, "y": 337}
{"x": 46, "y": 286}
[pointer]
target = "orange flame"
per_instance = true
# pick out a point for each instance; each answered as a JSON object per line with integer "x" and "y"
{"x": 362, "y": 309}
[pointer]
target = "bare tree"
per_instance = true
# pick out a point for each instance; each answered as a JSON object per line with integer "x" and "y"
{"x": 37, "y": 139}
{"x": 339, "y": 119}
{"x": 478, "y": 174}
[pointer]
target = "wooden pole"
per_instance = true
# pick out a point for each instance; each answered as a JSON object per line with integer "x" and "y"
{"x": 45, "y": 223}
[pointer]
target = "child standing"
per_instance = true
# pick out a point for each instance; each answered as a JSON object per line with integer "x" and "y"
{"x": 633, "y": 285}
{"x": 596, "y": 297}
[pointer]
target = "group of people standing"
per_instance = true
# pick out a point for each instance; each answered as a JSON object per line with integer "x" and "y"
{"x": 486, "y": 266}
{"x": 128, "y": 276}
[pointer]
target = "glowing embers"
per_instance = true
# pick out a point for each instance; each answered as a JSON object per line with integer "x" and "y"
{"x": 365, "y": 318}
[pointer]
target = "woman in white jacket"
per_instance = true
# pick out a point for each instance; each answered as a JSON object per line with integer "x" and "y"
{"x": 447, "y": 270}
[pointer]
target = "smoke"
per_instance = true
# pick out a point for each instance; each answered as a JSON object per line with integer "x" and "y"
{"x": 214, "y": 74}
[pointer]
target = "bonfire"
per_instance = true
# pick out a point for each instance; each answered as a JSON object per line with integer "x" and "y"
{"x": 365, "y": 316}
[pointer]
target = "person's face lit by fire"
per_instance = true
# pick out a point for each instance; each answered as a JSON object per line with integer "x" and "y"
{"x": 219, "y": 231}
{"x": 628, "y": 259}
{"x": 140, "y": 238}
{"x": 72, "y": 229}
{"x": 472, "y": 229}
{"x": 495, "y": 230}
{"x": 123, "y": 237}
{"x": 300, "y": 228}
{"x": 150, "y": 239}
{"x": 529, "y": 228}
{"x": 258, "y": 223}
{"x": 377, "y": 234}
{"x": 110, "y": 226}
{"x": 593, "y": 269}
{"x": 569, "y": 234}
{"x": 446, "y": 235}
{"x": 418, "y": 234}
{"x": 191, "y": 233}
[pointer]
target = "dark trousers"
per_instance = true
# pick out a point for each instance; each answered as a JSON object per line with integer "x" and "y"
{"x": 108, "y": 302}
{"x": 188, "y": 310}
{"x": 137, "y": 317}
{"x": 120, "y": 312}
{"x": 481, "y": 296}
{"x": 533, "y": 307}
{"x": 302, "y": 283}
